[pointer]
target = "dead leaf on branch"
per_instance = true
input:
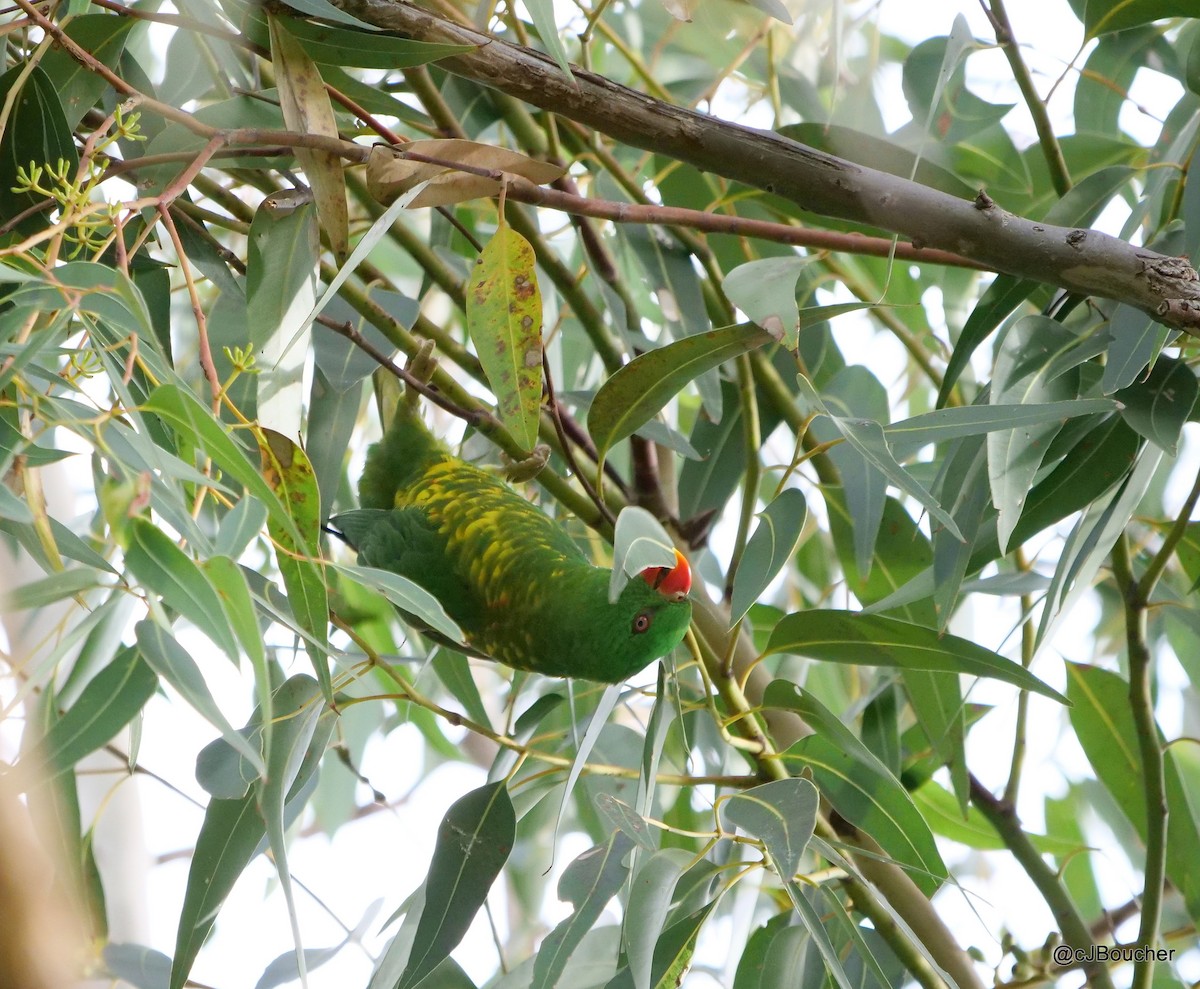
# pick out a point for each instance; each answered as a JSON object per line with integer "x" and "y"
{"x": 391, "y": 172}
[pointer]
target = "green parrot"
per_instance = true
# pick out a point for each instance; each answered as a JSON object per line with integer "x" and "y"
{"x": 515, "y": 583}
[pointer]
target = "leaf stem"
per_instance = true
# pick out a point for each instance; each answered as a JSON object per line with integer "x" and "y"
{"x": 1003, "y": 817}
{"x": 1141, "y": 704}
{"x": 1047, "y": 140}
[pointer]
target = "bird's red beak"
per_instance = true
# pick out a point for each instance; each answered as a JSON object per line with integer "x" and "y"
{"x": 671, "y": 582}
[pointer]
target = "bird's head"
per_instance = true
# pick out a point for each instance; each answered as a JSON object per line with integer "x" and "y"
{"x": 673, "y": 583}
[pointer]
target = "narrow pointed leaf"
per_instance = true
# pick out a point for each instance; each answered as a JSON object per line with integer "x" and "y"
{"x": 588, "y": 884}
{"x": 233, "y": 832}
{"x": 197, "y": 423}
{"x": 873, "y": 640}
{"x": 473, "y": 843}
{"x": 1103, "y": 722}
{"x": 867, "y": 437}
{"x": 108, "y": 703}
{"x": 781, "y": 814}
{"x": 542, "y": 12}
{"x": 164, "y": 569}
{"x": 650, "y": 894}
{"x": 639, "y": 390}
{"x": 768, "y": 549}
{"x": 281, "y": 284}
{"x": 307, "y": 110}
{"x": 287, "y": 470}
{"x": 910, "y": 435}
{"x": 504, "y": 318}
{"x": 164, "y": 654}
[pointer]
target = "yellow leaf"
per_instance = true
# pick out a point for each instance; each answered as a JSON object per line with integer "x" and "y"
{"x": 504, "y": 318}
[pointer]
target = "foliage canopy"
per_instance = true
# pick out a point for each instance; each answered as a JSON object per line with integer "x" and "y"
{"x": 922, "y": 430}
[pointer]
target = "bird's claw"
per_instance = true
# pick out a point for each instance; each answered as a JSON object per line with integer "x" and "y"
{"x": 519, "y": 471}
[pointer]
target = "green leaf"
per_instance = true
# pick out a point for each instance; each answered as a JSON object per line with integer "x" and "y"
{"x": 781, "y": 814}
{"x": 813, "y": 920}
{"x": 201, "y": 428}
{"x": 163, "y": 653}
{"x": 39, "y": 593}
{"x": 639, "y": 390}
{"x": 233, "y": 831}
{"x": 36, "y": 132}
{"x": 650, "y": 893}
{"x": 504, "y": 318}
{"x": 1108, "y": 16}
{"x": 1097, "y": 461}
{"x": 765, "y": 290}
{"x": 346, "y": 47}
{"x": 855, "y": 393}
{"x": 112, "y": 699}
{"x": 937, "y": 702}
{"x": 873, "y": 640}
{"x": 328, "y": 12}
{"x": 1078, "y": 208}
{"x": 406, "y": 595}
{"x": 672, "y": 953}
{"x": 86, "y": 286}
{"x": 1159, "y": 406}
{"x": 1137, "y": 340}
{"x": 588, "y": 884}
{"x": 229, "y": 581}
{"x": 866, "y": 436}
{"x": 942, "y": 812}
{"x": 768, "y": 549}
{"x": 288, "y": 472}
{"x": 1091, "y": 540}
{"x": 1025, "y": 372}
{"x": 281, "y": 284}
{"x": 164, "y": 569}
{"x": 619, "y": 816}
{"x": 901, "y": 553}
{"x": 473, "y": 843}
{"x": 773, "y": 954}
{"x": 104, "y": 37}
{"x": 291, "y": 742}
{"x": 859, "y": 786}
{"x": 542, "y": 12}
{"x": 909, "y": 435}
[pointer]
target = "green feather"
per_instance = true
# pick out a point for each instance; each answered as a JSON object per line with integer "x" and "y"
{"x": 513, "y": 580}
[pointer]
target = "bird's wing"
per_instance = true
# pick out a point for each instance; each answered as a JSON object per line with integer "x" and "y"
{"x": 404, "y": 541}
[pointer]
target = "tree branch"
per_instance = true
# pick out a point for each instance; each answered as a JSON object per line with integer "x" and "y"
{"x": 1078, "y": 260}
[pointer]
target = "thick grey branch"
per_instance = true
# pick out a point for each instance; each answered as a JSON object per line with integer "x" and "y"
{"x": 1078, "y": 260}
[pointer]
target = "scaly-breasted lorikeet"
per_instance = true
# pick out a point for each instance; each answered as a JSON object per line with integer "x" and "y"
{"x": 517, "y": 585}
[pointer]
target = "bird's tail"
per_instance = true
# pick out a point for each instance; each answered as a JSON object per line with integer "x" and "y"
{"x": 402, "y": 455}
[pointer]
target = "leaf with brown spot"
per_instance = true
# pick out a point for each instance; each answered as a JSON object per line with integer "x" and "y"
{"x": 391, "y": 174}
{"x": 288, "y": 472}
{"x": 306, "y": 110}
{"x": 504, "y": 318}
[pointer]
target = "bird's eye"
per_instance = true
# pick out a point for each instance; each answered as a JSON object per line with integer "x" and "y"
{"x": 641, "y": 623}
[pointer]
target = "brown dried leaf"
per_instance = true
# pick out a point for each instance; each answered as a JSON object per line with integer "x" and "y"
{"x": 306, "y": 110}
{"x": 390, "y": 173}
